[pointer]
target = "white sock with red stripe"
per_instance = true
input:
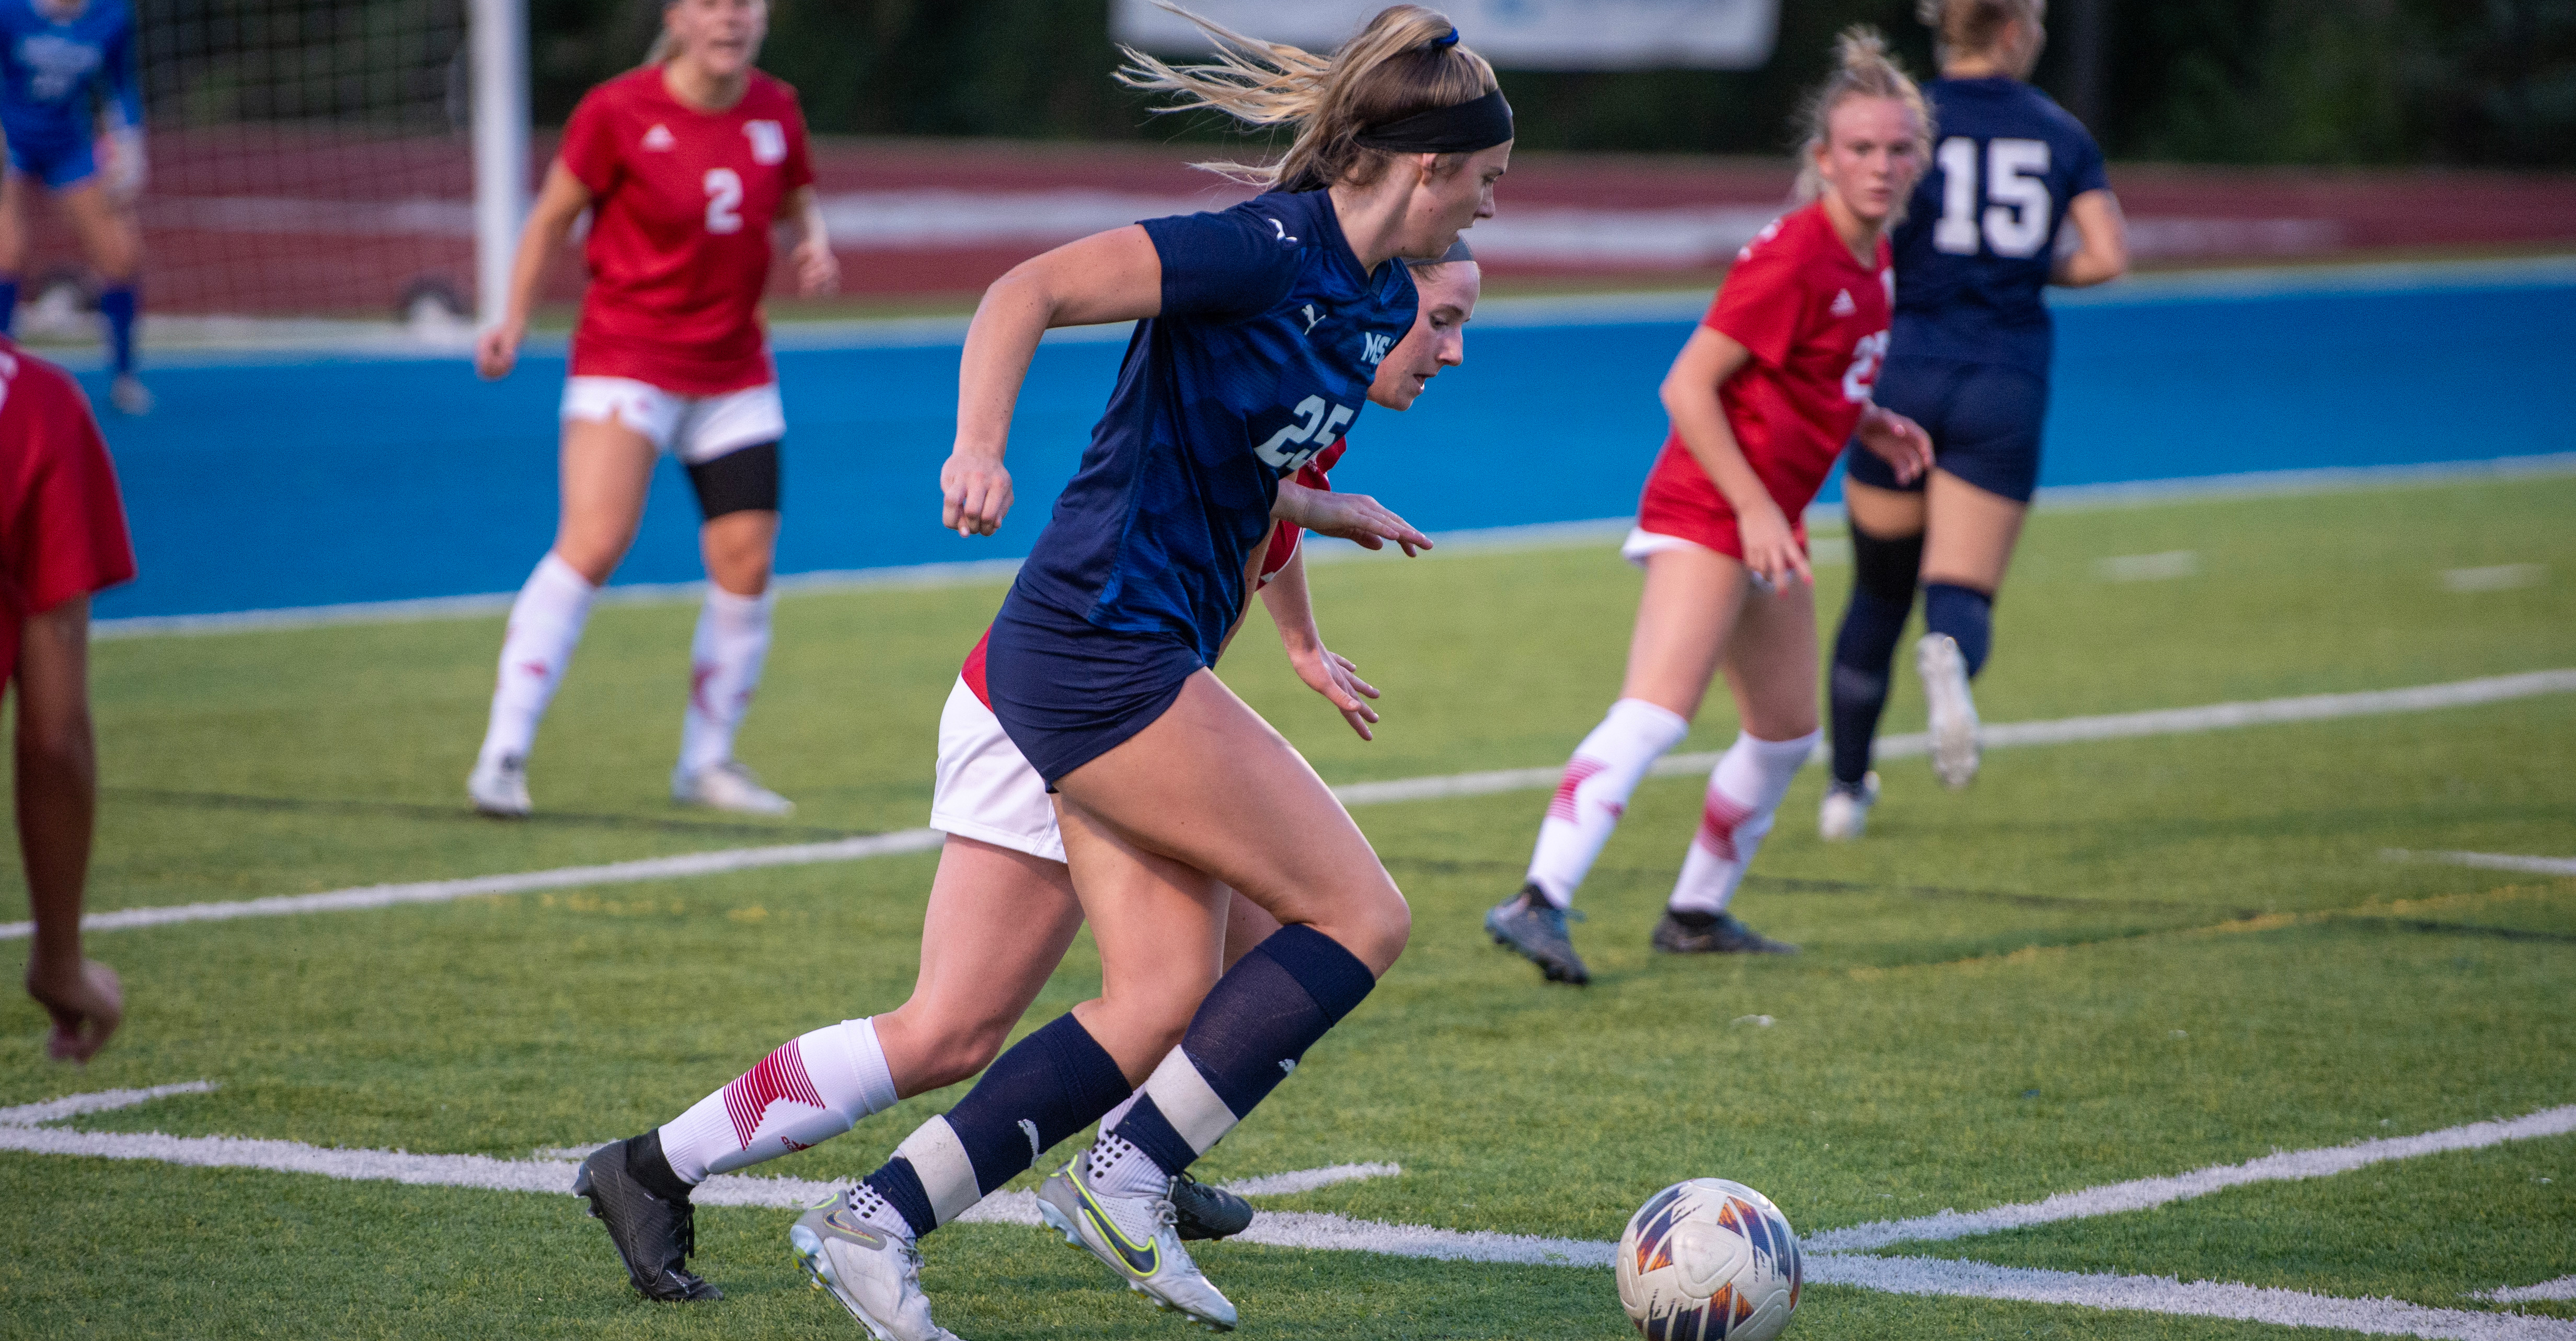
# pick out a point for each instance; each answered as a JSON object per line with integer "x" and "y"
{"x": 1744, "y": 791}
{"x": 545, "y": 624}
{"x": 807, "y": 1092}
{"x": 1603, "y": 774}
{"x": 724, "y": 670}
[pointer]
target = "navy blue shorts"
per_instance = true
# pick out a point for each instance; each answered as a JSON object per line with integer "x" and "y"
{"x": 1984, "y": 419}
{"x": 1068, "y": 692}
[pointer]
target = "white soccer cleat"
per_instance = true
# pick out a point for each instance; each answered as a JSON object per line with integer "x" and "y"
{"x": 728, "y": 786}
{"x": 859, "y": 1251}
{"x": 128, "y": 394}
{"x": 1134, "y": 1236}
{"x": 1954, "y": 710}
{"x": 1845, "y": 812}
{"x": 499, "y": 787}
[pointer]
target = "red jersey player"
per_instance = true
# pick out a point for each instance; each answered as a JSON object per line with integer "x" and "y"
{"x": 685, "y": 166}
{"x": 1762, "y": 399}
{"x": 1002, "y": 910}
{"x": 62, "y": 537}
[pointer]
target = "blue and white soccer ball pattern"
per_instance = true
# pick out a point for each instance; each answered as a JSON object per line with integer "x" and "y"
{"x": 1709, "y": 1259}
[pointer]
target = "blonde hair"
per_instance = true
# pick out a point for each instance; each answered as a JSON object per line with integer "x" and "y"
{"x": 1973, "y": 27}
{"x": 1398, "y": 65}
{"x": 1862, "y": 69}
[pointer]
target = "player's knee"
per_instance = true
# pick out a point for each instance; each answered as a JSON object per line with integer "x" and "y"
{"x": 958, "y": 1053}
{"x": 1376, "y": 931}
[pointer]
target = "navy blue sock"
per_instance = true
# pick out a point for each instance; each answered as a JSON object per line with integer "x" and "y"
{"x": 1966, "y": 614}
{"x": 1864, "y": 652}
{"x": 1048, "y": 1086}
{"x": 118, "y": 305}
{"x": 1883, "y": 576}
{"x": 1248, "y": 1035}
{"x": 8, "y": 304}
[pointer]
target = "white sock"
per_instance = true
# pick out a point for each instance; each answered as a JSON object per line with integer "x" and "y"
{"x": 1121, "y": 1170}
{"x": 545, "y": 624}
{"x": 806, "y": 1092}
{"x": 1603, "y": 774}
{"x": 1109, "y": 1121}
{"x": 725, "y": 660}
{"x": 1744, "y": 791}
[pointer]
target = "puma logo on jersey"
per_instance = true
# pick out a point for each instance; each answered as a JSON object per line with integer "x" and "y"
{"x": 1373, "y": 347}
{"x": 1843, "y": 304}
{"x": 1312, "y": 316}
{"x": 659, "y": 139}
{"x": 1283, "y": 231}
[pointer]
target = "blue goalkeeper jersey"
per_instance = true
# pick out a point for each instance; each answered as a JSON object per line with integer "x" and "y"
{"x": 50, "y": 69}
{"x": 1269, "y": 336}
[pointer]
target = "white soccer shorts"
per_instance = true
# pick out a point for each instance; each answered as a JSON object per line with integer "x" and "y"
{"x": 696, "y": 429}
{"x": 985, "y": 788}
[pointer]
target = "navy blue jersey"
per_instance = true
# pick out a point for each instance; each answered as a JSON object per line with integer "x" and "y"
{"x": 1980, "y": 235}
{"x": 49, "y": 68}
{"x": 1269, "y": 335}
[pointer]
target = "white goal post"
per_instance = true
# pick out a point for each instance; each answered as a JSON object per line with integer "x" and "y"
{"x": 499, "y": 42}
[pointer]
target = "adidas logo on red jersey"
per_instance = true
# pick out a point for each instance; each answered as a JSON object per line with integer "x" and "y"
{"x": 659, "y": 139}
{"x": 1843, "y": 304}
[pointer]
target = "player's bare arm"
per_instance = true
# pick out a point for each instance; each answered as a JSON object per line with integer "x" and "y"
{"x": 2102, "y": 242}
{"x": 1357, "y": 518}
{"x": 57, "y": 762}
{"x": 1291, "y": 605}
{"x": 818, "y": 271}
{"x": 1690, "y": 397}
{"x": 1112, "y": 276}
{"x": 561, "y": 201}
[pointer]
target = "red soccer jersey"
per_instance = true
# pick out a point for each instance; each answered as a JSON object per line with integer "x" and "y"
{"x": 62, "y": 526}
{"x": 679, "y": 251}
{"x": 1816, "y": 323}
{"x": 1283, "y": 547}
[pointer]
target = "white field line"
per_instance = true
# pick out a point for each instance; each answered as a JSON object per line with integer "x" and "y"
{"x": 2562, "y": 1288}
{"x": 2142, "y": 1193}
{"x": 1547, "y": 535}
{"x": 1295, "y": 1229}
{"x": 2493, "y": 861}
{"x": 2164, "y": 1294}
{"x": 2065, "y": 730}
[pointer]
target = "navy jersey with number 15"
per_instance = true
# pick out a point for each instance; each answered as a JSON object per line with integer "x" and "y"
{"x": 1980, "y": 235}
{"x": 1261, "y": 359}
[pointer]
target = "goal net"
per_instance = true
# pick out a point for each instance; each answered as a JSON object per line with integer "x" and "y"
{"x": 308, "y": 158}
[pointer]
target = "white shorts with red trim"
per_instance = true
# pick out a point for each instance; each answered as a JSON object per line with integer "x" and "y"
{"x": 696, "y": 429}
{"x": 985, "y": 788}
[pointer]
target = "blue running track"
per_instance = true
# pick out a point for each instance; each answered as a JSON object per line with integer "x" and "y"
{"x": 263, "y": 484}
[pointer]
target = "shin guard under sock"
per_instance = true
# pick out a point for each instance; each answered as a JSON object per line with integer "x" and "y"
{"x": 1594, "y": 793}
{"x": 1966, "y": 614}
{"x": 1883, "y": 577}
{"x": 1045, "y": 1088}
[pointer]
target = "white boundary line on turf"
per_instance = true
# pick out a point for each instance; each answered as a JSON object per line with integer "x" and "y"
{"x": 2143, "y": 1193}
{"x": 2493, "y": 861}
{"x": 2065, "y": 730}
{"x": 2562, "y": 1288}
{"x": 1834, "y": 1265}
{"x": 1543, "y": 535}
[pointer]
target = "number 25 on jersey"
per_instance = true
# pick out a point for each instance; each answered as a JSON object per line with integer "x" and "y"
{"x": 2018, "y": 214}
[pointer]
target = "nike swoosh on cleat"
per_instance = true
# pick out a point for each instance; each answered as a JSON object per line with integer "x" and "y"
{"x": 1141, "y": 1262}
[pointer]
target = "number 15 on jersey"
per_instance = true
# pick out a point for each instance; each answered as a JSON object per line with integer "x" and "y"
{"x": 2018, "y": 214}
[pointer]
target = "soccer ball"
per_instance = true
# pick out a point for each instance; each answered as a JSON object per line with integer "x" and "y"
{"x": 1709, "y": 1259}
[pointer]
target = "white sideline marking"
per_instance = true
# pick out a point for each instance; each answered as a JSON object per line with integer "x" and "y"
{"x": 2494, "y": 861}
{"x": 2502, "y": 577}
{"x": 1836, "y": 1264}
{"x": 2149, "y": 567}
{"x": 2164, "y": 1294}
{"x": 2562, "y": 1288}
{"x": 2064, "y": 730}
{"x": 2142, "y": 1193}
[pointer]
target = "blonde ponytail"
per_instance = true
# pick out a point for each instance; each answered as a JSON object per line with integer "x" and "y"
{"x": 1862, "y": 69}
{"x": 1405, "y": 61}
{"x": 1973, "y": 27}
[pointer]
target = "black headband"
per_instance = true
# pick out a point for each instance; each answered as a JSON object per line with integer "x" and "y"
{"x": 1462, "y": 128}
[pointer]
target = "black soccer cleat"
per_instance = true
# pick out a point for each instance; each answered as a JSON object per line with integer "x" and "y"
{"x": 1202, "y": 1211}
{"x": 1529, "y": 925}
{"x": 1713, "y": 934}
{"x": 653, "y": 1234}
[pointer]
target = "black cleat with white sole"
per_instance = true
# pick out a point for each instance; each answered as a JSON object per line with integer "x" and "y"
{"x": 654, "y": 1233}
{"x": 1206, "y": 1212}
{"x": 1713, "y": 934}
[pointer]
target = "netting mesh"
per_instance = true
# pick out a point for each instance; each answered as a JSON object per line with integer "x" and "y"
{"x": 308, "y": 157}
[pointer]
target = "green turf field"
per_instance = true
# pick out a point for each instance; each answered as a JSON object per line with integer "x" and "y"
{"x": 2105, "y": 962}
